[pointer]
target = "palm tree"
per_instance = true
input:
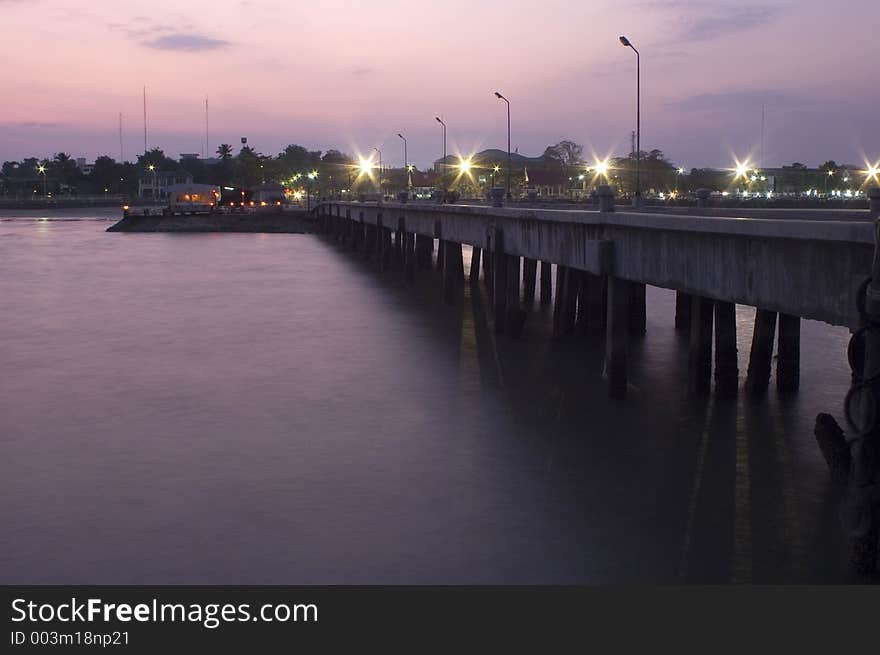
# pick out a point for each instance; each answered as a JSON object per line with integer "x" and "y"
{"x": 225, "y": 151}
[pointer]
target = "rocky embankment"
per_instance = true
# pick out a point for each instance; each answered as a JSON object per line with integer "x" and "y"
{"x": 289, "y": 222}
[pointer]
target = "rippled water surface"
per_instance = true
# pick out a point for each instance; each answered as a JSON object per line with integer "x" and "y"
{"x": 245, "y": 408}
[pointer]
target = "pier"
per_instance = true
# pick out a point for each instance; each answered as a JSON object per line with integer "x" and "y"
{"x": 788, "y": 268}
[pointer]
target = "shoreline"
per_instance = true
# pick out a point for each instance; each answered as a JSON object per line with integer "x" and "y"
{"x": 297, "y": 222}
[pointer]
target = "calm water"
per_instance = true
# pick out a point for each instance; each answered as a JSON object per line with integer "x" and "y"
{"x": 269, "y": 409}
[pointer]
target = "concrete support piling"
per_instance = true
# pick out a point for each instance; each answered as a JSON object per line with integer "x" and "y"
{"x": 530, "y": 275}
{"x": 409, "y": 256}
{"x": 616, "y": 336}
{"x": 682, "y": 311}
{"x": 700, "y": 353}
{"x": 638, "y": 306}
{"x": 441, "y": 255}
{"x": 424, "y": 250}
{"x": 474, "y": 276}
{"x": 563, "y": 314}
{"x": 499, "y": 276}
{"x": 761, "y": 354}
{"x": 788, "y": 361}
{"x": 546, "y": 284}
{"x": 726, "y": 366}
{"x": 516, "y": 316}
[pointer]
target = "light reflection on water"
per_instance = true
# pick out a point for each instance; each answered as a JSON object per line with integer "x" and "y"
{"x": 269, "y": 409}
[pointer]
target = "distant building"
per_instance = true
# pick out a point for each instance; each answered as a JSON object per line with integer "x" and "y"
{"x": 155, "y": 185}
{"x": 85, "y": 168}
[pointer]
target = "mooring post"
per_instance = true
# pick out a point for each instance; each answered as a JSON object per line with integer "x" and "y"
{"x": 761, "y": 354}
{"x": 638, "y": 306}
{"x": 546, "y": 284}
{"x": 788, "y": 360}
{"x": 726, "y": 365}
{"x": 617, "y": 336}
{"x": 700, "y": 354}
{"x": 499, "y": 277}
{"x": 530, "y": 275}
{"x": 474, "y": 277}
{"x": 682, "y": 311}
{"x": 515, "y": 315}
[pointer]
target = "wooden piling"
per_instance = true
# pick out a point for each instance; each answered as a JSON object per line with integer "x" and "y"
{"x": 726, "y": 366}
{"x": 700, "y": 354}
{"x": 761, "y": 354}
{"x": 616, "y": 336}
{"x": 788, "y": 361}
{"x": 546, "y": 284}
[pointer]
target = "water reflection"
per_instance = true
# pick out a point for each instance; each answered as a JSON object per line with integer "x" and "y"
{"x": 244, "y": 409}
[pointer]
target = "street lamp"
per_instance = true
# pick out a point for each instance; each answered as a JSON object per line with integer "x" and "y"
{"x": 637, "y": 198}
{"x": 152, "y": 169}
{"x": 312, "y": 175}
{"x": 443, "y": 161}
{"x": 405, "y": 165}
{"x": 501, "y": 97}
{"x": 42, "y": 170}
{"x": 380, "y": 171}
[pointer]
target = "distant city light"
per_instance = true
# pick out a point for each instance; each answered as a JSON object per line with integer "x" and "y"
{"x": 741, "y": 170}
{"x": 681, "y": 170}
{"x": 365, "y": 166}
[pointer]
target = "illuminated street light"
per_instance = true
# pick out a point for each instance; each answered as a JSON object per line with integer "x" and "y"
{"x": 501, "y": 97}
{"x": 380, "y": 169}
{"x": 443, "y": 164}
{"x": 741, "y": 170}
{"x": 42, "y": 170}
{"x": 406, "y": 165}
{"x": 464, "y": 165}
{"x": 638, "y": 194}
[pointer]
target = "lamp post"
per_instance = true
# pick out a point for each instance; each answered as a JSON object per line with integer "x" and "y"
{"x": 152, "y": 169}
{"x": 380, "y": 172}
{"x": 443, "y": 161}
{"x": 42, "y": 170}
{"x": 405, "y": 164}
{"x": 637, "y": 198}
{"x": 501, "y": 97}
{"x": 311, "y": 177}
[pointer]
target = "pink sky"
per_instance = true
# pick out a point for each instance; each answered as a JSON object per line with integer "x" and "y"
{"x": 351, "y": 75}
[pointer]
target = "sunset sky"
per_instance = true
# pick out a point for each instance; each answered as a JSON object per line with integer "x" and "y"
{"x": 351, "y": 75}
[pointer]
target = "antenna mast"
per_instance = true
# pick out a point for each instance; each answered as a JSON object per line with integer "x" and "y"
{"x": 145, "y": 119}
